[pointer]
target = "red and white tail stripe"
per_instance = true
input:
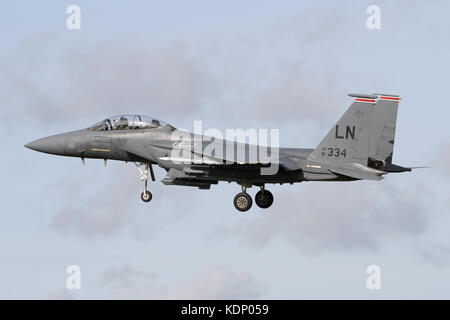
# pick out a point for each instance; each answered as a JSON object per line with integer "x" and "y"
{"x": 374, "y": 97}
{"x": 390, "y": 98}
{"x": 374, "y": 100}
{"x": 365, "y": 100}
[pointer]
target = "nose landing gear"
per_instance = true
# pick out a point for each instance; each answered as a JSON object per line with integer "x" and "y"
{"x": 146, "y": 195}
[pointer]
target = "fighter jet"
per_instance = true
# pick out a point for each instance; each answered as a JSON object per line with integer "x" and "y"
{"x": 358, "y": 147}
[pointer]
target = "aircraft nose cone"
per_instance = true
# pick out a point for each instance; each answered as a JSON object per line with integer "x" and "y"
{"x": 33, "y": 145}
{"x": 53, "y": 145}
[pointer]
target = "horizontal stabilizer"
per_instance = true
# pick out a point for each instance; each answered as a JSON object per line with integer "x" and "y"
{"x": 357, "y": 171}
{"x": 363, "y": 96}
{"x": 390, "y": 167}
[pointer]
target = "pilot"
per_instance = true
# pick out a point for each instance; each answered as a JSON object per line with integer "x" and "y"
{"x": 123, "y": 122}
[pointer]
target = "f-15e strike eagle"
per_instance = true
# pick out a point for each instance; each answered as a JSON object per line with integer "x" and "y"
{"x": 358, "y": 147}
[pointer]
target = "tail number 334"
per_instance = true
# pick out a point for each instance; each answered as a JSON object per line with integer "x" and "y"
{"x": 336, "y": 152}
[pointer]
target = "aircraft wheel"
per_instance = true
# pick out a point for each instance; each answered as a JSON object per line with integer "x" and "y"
{"x": 264, "y": 199}
{"x": 146, "y": 196}
{"x": 243, "y": 202}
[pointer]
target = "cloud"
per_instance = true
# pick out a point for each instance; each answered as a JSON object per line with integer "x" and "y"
{"x": 101, "y": 212}
{"x": 124, "y": 276}
{"x": 106, "y": 202}
{"x": 435, "y": 253}
{"x": 321, "y": 218}
{"x": 214, "y": 282}
{"x": 50, "y": 79}
{"x": 298, "y": 93}
{"x": 324, "y": 22}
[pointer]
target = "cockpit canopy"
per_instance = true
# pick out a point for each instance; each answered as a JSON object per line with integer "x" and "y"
{"x": 127, "y": 122}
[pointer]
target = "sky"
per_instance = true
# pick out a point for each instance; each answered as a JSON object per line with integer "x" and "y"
{"x": 255, "y": 64}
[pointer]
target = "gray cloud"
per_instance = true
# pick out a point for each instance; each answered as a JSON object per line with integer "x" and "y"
{"x": 52, "y": 79}
{"x": 435, "y": 253}
{"x": 298, "y": 93}
{"x": 214, "y": 282}
{"x": 96, "y": 79}
{"x": 324, "y": 22}
{"x": 125, "y": 276}
{"x": 98, "y": 213}
{"x": 339, "y": 216}
{"x": 107, "y": 201}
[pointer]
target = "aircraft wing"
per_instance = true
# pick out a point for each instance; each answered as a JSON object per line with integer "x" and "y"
{"x": 215, "y": 151}
{"x": 202, "y": 159}
{"x": 210, "y": 151}
{"x": 201, "y": 169}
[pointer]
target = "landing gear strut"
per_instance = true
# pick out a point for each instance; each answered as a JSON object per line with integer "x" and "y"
{"x": 243, "y": 201}
{"x": 264, "y": 198}
{"x": 146, "y": 195}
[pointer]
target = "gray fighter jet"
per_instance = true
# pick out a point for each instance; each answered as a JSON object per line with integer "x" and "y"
{"x": 358, "y": 147}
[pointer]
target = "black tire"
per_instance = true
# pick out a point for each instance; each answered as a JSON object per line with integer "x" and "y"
{"x": 264, "y": 199}
{"x": 146, "y": 196}
{"x": 243, "y": 202}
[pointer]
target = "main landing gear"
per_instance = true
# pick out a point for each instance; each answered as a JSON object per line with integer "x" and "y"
{"x": 264, "y": 198}
{"x": 243, "y": 201}
{"x": 146, "y": 195}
